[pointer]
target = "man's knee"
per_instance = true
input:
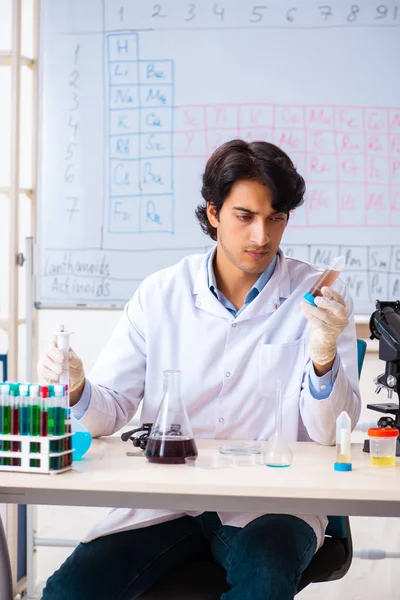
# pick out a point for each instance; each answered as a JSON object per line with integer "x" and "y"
{"x": 58, "y": 586}
{"x": 274, "y": 546}
{"x": 74, "y": 579}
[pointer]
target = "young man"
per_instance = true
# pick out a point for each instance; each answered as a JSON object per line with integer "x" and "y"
{"x": 233, "y": 322}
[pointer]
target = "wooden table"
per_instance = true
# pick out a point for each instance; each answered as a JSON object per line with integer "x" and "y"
{"x": 309, "y": 486}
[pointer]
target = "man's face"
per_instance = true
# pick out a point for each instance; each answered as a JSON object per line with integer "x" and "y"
{"x": 249, "y": 230}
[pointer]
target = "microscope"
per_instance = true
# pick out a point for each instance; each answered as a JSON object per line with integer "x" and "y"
{"x": 384, "y": 325}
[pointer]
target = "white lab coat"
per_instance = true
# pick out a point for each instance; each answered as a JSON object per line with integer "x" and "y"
{"x": 229, "y": 368}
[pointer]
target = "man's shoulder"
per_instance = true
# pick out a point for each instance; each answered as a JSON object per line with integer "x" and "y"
{"x": 298, "y": 269}
{"x": 185, "y": 271}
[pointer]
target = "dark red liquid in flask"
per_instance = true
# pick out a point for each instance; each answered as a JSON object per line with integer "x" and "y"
{"x": 171, "y": 439}
{"x": 170, "y": 450}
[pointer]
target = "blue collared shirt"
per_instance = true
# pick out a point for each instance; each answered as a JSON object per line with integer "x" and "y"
{"x": 320, "y": 387}
{"x": 253, "y": 293}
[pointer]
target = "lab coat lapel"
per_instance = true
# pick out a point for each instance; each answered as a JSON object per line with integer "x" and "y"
{"x": 204, "y": 298}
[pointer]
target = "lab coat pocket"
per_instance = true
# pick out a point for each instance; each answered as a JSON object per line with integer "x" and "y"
{"x": 284, "y": 362}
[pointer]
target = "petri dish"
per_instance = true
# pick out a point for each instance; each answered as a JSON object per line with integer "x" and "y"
{"x": 207, "y": 462}
{"x": 244, "y": 460}
{"x": 240, "y": 448}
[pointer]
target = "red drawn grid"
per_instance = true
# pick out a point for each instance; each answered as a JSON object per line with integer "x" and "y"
{"x": 349, "y": 155}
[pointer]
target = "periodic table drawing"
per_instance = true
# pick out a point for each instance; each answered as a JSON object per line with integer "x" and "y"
{"x": 136, "y": 96}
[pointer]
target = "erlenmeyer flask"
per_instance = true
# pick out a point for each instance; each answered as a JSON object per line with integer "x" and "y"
{"x": 81, "y": 439}
{"x": 277, "y": 451}
{"x": 171, "y": 437}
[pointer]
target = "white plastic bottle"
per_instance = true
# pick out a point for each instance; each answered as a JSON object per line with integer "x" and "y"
{"x": 343, "y": 443}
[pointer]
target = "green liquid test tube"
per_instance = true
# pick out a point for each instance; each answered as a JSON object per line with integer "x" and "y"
{"x": 34, "y": 409}
{"x": 50, "y": 409}
{"x": 6, "y": 410}
{"x": 59, "y": 410}
{"x": 24, "y": 409}
{"x": 4, "y": 390}
{"x": 6, "y": 414}
{"x": 14, "y": 419}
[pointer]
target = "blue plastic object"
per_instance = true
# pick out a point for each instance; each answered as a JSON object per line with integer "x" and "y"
{"x": 342, "y": 466}
{"x": 310, "y": 298}
{"x": 81, "y": 439}
{"x": 361, "y": 349}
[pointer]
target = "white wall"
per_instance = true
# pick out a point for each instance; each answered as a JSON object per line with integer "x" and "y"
{"x": 92, "y": 329}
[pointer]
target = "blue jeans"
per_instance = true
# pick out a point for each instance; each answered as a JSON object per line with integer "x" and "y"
{"x": 263, "y": 561}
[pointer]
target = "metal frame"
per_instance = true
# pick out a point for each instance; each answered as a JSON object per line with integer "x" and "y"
{"x": 15, "y": 60}
{"x": 14, "y": 186}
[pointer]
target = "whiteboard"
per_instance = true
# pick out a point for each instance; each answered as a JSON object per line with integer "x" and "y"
{"x": 135, "y": 96}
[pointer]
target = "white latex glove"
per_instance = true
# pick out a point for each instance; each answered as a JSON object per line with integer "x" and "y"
{"x": 49, "y": 367}
{"x": 327, "y": 321}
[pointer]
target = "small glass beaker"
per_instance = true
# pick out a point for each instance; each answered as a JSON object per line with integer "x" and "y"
{"x": 171, "y": 438}
{"x": 382, "y": 446}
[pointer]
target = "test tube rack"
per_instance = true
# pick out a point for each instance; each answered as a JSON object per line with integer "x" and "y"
{"x": 45, "y": 457}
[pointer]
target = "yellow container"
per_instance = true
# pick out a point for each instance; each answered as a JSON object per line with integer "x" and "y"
{"x": 382, "y": 446}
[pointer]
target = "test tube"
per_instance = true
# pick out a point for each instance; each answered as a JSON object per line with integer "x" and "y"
{"x": 68, "y": 428}
{"x": 59, "y": 410}
{"x": 34, "y": 420}
{"x": 14, "y": 419}
{"x": 327, "y": 278}
{"x": 44, "y": 414}
{"x": 24, "y": 409}
{"x": 1, "y": 419}
{"x": 3, "y": 392}
{"x": 6, "y": 418}
{"x": 14, "y": 402}
{"x": 50, "y": 409}
{"x": 343, "y": 445}
{"x": 63, "y": 343}
{"x": 34, "y": 409}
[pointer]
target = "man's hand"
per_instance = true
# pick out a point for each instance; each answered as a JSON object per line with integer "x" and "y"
{"x": 50, "y": 368}
{"x": 327, "y": 321}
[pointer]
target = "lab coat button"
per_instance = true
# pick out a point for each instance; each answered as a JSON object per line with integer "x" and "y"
{"x": 233, "y": 324}
{"x": 221, "y": 420}
{"x": 227, "y": 374}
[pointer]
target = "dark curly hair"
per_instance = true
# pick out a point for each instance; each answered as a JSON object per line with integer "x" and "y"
{"x": 238, "y": 160}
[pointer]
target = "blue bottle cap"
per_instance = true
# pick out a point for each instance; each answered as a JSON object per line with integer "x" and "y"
{"x": 342, "y": 466}
{"x": 310, "y": 298}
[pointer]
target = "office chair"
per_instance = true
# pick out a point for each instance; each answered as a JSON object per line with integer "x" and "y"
{"x": 205, "y": 580}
